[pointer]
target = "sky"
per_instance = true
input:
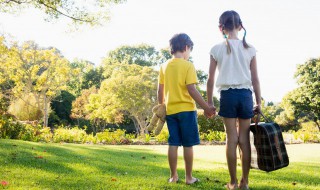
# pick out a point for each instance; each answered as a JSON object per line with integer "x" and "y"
{"x": 283, "y": 32}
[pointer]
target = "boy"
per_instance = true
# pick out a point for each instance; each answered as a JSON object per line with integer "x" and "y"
{"x": 177, "y": 79}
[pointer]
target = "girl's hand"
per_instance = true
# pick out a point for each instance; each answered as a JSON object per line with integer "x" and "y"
{"x": 257, "y": 109}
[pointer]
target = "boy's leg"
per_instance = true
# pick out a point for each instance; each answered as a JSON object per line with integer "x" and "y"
{"x": 173, "y": 159}
{"x": 231, "y": 147}
{"x": 244, "y": 143}
{"x": 188, "y": 160}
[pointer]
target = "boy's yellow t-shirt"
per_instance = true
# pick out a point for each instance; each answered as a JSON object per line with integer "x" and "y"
{"x": 176, "y": 74}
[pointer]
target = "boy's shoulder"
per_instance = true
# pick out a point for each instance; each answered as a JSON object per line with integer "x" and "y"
{"x": 178, "y": 61}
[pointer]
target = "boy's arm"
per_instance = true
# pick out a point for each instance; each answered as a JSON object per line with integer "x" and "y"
{"x": 210, "y": 82}
{"x": 255, "y": 83}
{"x": 160, "y": 93}
{"x": 198, "y": 98}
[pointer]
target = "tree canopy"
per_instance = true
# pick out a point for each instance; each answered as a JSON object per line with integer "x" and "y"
{"x": 92, "y": 12}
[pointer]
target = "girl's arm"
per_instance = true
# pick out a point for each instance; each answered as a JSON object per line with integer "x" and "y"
{"x": 210, "y": 82}
{"x": 255, "y": 83}
{"x": 194, "y": 93}
{"x": 160, "y": 93}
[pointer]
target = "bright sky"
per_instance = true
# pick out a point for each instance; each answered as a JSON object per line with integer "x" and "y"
{"x": 285, "y": 33}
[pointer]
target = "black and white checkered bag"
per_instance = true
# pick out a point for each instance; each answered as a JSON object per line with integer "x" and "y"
{"x": 268, "y": 151}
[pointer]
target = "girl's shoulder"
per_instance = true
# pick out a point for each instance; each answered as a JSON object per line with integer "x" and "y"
{"x": 216, "y": 47}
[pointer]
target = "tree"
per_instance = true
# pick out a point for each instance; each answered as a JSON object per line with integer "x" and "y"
{"x": 79, "y": 111}
{"x": 37, "y": 71}
{"x": 143, "y": 55}
{"x": 92, "y": 12}
{"x": 62, "y": 105}
{"x": 287, "y": 118}
{"x": 131, "y": 91}
{"x": 306, "y": 98}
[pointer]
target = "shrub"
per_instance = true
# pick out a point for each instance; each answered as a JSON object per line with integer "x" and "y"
{"x": 213, "y": 136}
{"x": 112, "y": 137}
{"x": 73, "y": 135}
{"x": 214, "y": 124}
{"x": 147, "y": 138}
{"x": 307, "y": 133}
{"x": 164, "y": 135}
{"x": 9, "y": 129}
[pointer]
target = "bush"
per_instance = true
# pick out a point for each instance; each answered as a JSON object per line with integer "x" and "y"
{"x": 112, "y": 137}
{"x": 164, "y": 135}
{"x": 9, "y": 129}
{"x": 73, "y": 135}
{"x": 213, "y": 136}
{"x": 214, "y": 124}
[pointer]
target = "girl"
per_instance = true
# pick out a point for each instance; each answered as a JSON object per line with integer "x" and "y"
{"x": 237, "y": 79}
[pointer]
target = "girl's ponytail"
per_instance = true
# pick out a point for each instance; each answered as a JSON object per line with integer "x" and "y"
{"x": 227, "y": 41}
{"x": 245, "y": 45}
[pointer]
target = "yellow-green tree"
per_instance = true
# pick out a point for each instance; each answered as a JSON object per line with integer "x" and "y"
{"x": 90, "y": 12}
{"x": 37, "y": 71}
{"x": 130, "y": 90}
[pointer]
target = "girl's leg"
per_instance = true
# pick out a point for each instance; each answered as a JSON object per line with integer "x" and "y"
{"x": 244, "y": 143}
{"x": 173, "y": 159}
{"x": 188, "y": 160}
{"x": 231, "y": 147}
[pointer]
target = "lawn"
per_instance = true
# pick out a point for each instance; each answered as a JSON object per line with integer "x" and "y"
{"x": 28, "y": 165}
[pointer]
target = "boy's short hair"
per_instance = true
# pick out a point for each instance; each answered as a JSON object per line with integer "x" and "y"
{"x": 179, "y": 42}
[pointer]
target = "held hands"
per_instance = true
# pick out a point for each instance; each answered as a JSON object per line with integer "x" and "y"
{"x": 210, "y": 111}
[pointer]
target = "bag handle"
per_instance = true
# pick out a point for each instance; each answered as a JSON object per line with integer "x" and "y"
{"x": 258, "y": 118}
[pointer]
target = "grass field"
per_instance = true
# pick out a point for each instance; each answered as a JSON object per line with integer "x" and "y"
{"x": 28, "y": 165}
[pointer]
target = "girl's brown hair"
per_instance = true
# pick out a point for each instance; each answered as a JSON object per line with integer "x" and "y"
{"x": 229, "y": 20}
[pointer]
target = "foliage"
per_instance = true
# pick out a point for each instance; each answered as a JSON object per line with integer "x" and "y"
{"x": 62, "y": 106}
{"x": 70, "y": 135}
{"x": 270, "y": 111}
{"x": 205, "y": 125}
{"x": 308, "y": 133}
{"x": 34, "y": 70}
{"x": 287, "y": 119}
{"x": 25, "y": 108}
{"x": 35, "y": 133}
{"x": 306, "y": 98}
{"x": 130, "y": 90}
{"x": 202, "y": 77}
{"x": 143, "y": 55}
{"x": 112, "y": 137}
{"x": 91, "y": 12}
{"x": 164, "y": 135}
{"x": 9, "y": 129}
{"x": 78, "y": 110}
{"x": 211, "y": 135}
{"x": 81, "y": 79}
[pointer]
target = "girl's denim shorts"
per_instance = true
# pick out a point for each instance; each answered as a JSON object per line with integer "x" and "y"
{"x": 236, "y": 103}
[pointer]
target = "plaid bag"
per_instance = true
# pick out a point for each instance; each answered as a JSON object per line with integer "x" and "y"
{"x": 269, "y": 152}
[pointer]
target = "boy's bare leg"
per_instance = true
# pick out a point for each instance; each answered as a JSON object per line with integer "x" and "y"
{"x": 173, "y": 159}
{"x": 188, "y": 160}
{"x": 244, "y": 143}
{"x": 231, "y": 148}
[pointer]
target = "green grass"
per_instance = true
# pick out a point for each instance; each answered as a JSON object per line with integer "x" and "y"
{"x": 28, "y": 165}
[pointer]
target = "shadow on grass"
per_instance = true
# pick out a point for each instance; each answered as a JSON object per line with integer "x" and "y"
{"x": 70, "y": 166}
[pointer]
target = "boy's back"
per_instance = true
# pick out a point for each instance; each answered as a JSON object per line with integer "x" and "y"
{"x": 176, "y": 74}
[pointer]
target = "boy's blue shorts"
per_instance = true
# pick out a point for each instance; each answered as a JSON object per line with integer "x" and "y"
{"x": 183, "y": 129}
{"x": 236, "y": 103}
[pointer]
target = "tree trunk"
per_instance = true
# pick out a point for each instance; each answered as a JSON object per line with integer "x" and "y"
{"x": 318, "y": 125}
{"x": 45, "y": 114}
{"x": 142, "y": 125}
{"x": 136, "y": 124}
